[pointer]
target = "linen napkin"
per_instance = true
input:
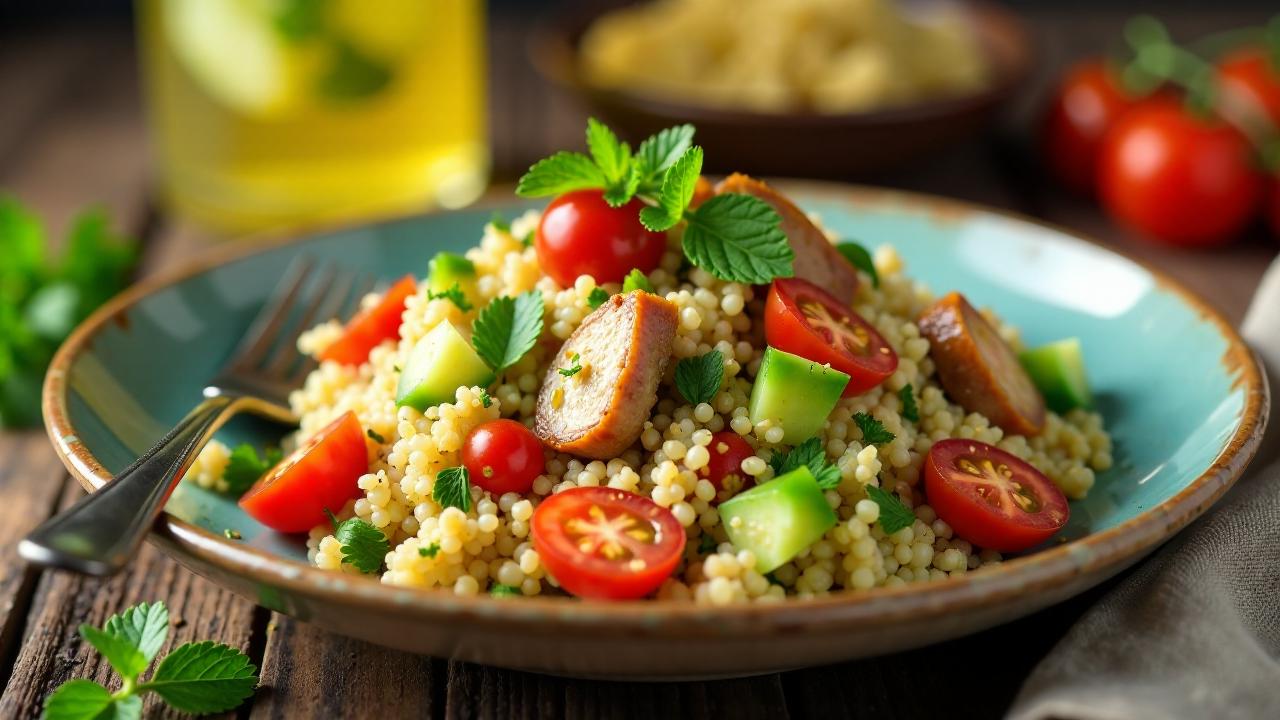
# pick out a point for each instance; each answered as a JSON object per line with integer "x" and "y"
{"x": 1195, "y": 631}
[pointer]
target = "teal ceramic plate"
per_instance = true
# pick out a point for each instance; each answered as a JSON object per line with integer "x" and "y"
{"x": 1182, "y": 395}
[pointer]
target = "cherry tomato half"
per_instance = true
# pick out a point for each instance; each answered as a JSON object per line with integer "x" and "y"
{"x": 1087, "y": 103}
{"x": 370, "y": 327}
{"x": 1178, "y": 178}
{"x": 320, "y": 475}
{"x": 991, "y": 498}
{"x": 503, "y": 456}
{"x": 580, "y": 234}
{"x": 724, "y": 469}
{"x": 1249, "y": 88}
{"x": 803, "y": 319}
{"x": 598, "y": 542}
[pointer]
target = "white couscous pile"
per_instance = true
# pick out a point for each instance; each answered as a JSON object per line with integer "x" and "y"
{"x": 489, "y": 544}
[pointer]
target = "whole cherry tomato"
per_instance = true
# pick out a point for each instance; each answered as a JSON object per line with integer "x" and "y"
{"x": 1086, "y": 104}
{"x": 1178, "y": 178}
{"x": 581, "y": 234}
{"x": 503, "y": 456}
{"x": 1249, "y": 88}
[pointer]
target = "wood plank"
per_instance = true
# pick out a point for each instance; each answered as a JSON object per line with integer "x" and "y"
{"x": 309, "y": 673}
{"x": 35, "y": 69}
{"x": 53, "y": 652}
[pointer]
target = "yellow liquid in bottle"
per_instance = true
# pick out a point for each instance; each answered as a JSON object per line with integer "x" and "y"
{"x": 266, "y": 113}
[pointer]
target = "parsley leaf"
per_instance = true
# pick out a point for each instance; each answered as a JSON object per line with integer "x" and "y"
{"x": 454, "y": 295}
{"x": 736, "y": 237}
{"x": 485, "y": 400}
{"x": 873, "y": 431}
{"x": 861, "y": 259}
{"x": 910, "y": 411}
{"x": 452, "y": 488}
{"x": 429, "y": 551}
{"x": 812, "y": 455}
{"x": 204, "y": 677}
{"x": 677, "y": 190}
{"x": 597, "y": 297}
{"x": 660, "y": 152}
{"x": 364, "y": 546}
{"x": 573, "y": 369}
{"x": 145, "y": 626}
{"x": 507, "y": 328}
{"x": 559, "y": 174}
{"x": 699, "y": 378}
{"x": 244, "y": 467}
{"x": 636, "y": 280}
{"x": 499, "y": 222}
{"x": 375, "y": 436}
{"x": 504, "y": 591}
{"x": 894, "y": 514}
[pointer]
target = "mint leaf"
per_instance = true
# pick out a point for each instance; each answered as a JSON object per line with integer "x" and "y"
{"x": 144, "y": 626}
{"x": 636, "y": 280}
{"x": 873, "y": 431}
{"x": 364, "y": 547}
{"x": 454, "y": 295}
{"x": 910, "y": 411}
{"x": 83, "y": 700}
{"x": 860, "y": 258}
{"x": 244, "y": 468}
{"x": 452, "y": 488}
{"x": 621, "y": 192}
{"x": 736, "y": 237}
{"x": 699, "y": 378}
{"x": 677, "y": 190}
{"x": 660, "y": 152}
{"x": 504, "y": 591}
{"x": 559, "y": 174}
{"x": 352, "y": 74}
{"x": 204, "y": 677}
{"x": 810, "y": 454}
{"x": 894, "y": 514}
{"x": 299, "y": 20}
{"x": 572, "y": 369}
{"x": 507, "y": 328}
{"x": 597, "y": 297}
{"x": 612, "y": 156}
{"x": 124, "y": 657}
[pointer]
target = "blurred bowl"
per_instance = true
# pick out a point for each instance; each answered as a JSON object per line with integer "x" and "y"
{"x": 800, "y": 143}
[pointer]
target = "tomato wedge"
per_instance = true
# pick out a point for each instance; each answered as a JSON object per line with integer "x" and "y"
{"x": 991, "y": 498}
{"x": 803, "y": 319}
{"x": 371, "y": 327}
{"x": 598, "y": 542}
{"x": 320, "y": 475}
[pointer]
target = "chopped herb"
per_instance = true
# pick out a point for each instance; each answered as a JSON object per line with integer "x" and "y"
{"x": 894, "y": 514}
{"x": 636, "y": 280}
{"x": 699, "y": 378}
{"x": 429, "y": 551}
{"x": 452, "y": 488}
{"x": 910, "y": 410}
{"x": 485, "y": 400}
{"x": 507, "y": 328}
{"x": 376, "y": 437}
{"x": 351, "y": 74}
{"x": 232, "y": 534}
{"x": 245, "y": 467}
{"x": 597, "y": 297}
{"x": 198, "y": 677}
{"x": 527, "y": 240}
{"x": 363, "y": 546}
{"x": 454, "y": 295}
{"x": 873, "y": 431}
{"x": 706, "y": 544}
{"x": 573, "y": 369}
{"x": 396, "y": 367}
{"x": 504, "y": 591}
{"x": 677, "y": 190}
{"x": 811, "y": 454}
{"x": 499, "y": 223}
{"x": 861, "y": 259}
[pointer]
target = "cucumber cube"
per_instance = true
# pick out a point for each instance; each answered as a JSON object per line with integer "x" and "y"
{"x": 1057, "y": 369}
{"x": 438, "y": 365}
{"x": 778, "y": 519}
{"x": 447, "y": 269}
{"x": 795, "y": 392}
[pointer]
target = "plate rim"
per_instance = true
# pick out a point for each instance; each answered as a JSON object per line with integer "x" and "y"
{"x": 1055, "y": 567}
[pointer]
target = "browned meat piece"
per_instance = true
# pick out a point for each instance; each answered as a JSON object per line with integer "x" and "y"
{"x": 623, "y": 348}
{"x": 817, "y": 260}
{"x": 978, "y": 369}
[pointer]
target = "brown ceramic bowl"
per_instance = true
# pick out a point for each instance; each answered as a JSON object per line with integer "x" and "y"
{"x": 801, "y": 144}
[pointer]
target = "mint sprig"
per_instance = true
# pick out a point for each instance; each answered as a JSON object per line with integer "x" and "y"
{"x": 199, "y": 677}
{"x": 507, "y": 328}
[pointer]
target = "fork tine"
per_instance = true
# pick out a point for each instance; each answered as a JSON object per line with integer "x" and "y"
{"x": 284, "y": 352}
{"x": 336, "y": 305}
{"x": 266, "y": 325}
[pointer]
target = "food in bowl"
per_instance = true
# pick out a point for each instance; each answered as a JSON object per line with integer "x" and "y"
{"x": 755, "y": 412}
{"x": 823, "y": 56}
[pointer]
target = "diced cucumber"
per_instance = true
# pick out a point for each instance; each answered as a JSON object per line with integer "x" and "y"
{"x": 438, "y": 365}
{"x": 778, "y": 519}
{"x": 1057, "y": 369}
{"x": 796, "y": 392}
{"x": 447, "y": 269}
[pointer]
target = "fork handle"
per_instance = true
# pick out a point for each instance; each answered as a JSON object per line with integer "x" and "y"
{"x": 99, "y": 534}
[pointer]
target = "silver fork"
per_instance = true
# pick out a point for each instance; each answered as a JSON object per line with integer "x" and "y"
{"x": 99, "y": 534}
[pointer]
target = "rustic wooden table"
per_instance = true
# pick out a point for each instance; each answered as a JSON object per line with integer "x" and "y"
{"x": 71, "y": 134}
